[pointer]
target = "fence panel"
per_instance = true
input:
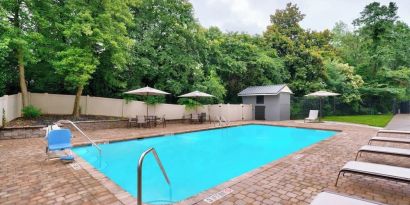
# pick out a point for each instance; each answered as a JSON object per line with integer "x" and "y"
{"x": 247, "y": 112}
{"x": 103, "y": 106}
{"x": 53, "y": 103}
{"x": 13, "y": 107}
{"x": 63, "y": 105}
{"x": 134, "y": 108}
{"x": 170, "y": 111}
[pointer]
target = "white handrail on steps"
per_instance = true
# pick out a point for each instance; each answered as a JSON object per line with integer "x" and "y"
{"x": 227, "y": 122}
{"x": 222, "y": 121}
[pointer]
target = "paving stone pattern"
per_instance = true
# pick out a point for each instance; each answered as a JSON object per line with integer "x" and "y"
{"x": 26, "y": 178}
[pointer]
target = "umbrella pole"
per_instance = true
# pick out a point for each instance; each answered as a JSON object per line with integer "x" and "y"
{"x": 196, "y": 107}
{"x": 146, "y": 103}
{"x": 320, "y": 108}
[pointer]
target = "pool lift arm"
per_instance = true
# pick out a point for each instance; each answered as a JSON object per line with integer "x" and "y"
{"x": 82, "y": 133}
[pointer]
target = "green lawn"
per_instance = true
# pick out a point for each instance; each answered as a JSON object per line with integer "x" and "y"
{"x": 372, "y": 120}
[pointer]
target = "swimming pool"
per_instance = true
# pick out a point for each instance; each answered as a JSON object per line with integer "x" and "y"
{"x": 197, "y": 161}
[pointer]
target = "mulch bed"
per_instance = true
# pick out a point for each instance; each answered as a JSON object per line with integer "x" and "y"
{"x": 50, "y": 119}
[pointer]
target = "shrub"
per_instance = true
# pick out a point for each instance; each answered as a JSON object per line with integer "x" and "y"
{"x": 3, "y": 119}
{"x": 31, "y": 112}
{"x": 189, "y": 103}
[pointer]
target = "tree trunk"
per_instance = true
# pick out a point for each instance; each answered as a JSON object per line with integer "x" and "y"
{"x": 76, "y": 110}
{"x": 20, "y": 56}
{"x": 22, "y": 78}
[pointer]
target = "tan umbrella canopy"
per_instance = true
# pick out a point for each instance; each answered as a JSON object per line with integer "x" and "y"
{"x": 196, "y": 94}
{"x": 147, "y": 91}
{"x": 321, "y": 94}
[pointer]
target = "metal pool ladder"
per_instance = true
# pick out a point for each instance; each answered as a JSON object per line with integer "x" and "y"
{"x": 139, "y": 174}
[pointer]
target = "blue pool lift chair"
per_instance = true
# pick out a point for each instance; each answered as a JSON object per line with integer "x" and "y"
{"x": 60, "y": 140}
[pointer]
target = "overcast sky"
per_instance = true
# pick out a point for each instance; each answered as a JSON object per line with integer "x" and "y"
{"x": 252, "y": 16}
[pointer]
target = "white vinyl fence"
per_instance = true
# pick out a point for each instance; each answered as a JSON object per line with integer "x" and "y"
{"x": 63, "y": 105}
{"x": 10, "y": 108}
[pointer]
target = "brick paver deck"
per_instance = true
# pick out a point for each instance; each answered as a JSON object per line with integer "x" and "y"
{"x": 25, "y": 178}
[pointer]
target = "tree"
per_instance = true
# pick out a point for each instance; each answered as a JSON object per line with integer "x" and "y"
{"x": 376, "y": 23}
{"x": 341, "y": 78}
{"x": 171, "y": 50}
{"x": 377, "y": 50}
{"x": 241, "y": 62}
{"x": 19, "y": 17}
{"x": 93, "y": 30}
{"x": 299, "y": 49}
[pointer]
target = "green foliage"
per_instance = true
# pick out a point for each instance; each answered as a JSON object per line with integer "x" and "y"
{"x": 190, "y": 104}
{"x": 242, "y": 60}
{"x": 108, "y": 47}
{"x": 302, "y": 51}
{"x": 76, "y": 65}
{"x": 30, "y": 112}
{"x": 377, "y": 51}
{"x": 96, "y": 31}
{"x": 168, "y": 50}
{"x": 3, "y": 118}
{"x": 153, "y": 100}
{"x": 342, "y": 79}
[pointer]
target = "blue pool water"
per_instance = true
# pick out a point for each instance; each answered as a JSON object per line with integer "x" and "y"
{"x": 197, "y": 161}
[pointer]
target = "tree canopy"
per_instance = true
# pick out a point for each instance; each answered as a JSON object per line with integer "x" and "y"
{"x": 104, "y": 48}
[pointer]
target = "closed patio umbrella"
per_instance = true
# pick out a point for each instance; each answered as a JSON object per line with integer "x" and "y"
{"x": 321, "y": 94}
{"x": 147, "y": 91}
{"x": 196, "y": 94}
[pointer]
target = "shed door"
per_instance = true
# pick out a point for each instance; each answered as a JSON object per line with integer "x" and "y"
{"x": 259, "y": 112}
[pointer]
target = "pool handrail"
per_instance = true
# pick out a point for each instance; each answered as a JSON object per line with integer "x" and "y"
{"x": 225, "y": 120}
{"x": 222, "y": 121}
{"x": 139, "y": 170}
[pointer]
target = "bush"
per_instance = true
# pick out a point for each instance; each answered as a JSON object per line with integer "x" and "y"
{"x": 31, "y": 112}
{"x": 189, "y": 103}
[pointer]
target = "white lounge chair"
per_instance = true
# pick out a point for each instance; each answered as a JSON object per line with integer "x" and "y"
{"x": 313, "y": 116}
{"x": 327, "y": 198}
{"x": 393, "y": 132}
{"x": 390, "y": 139}
{"x": 376, "y": 170}
{"x": 384, "y": 150}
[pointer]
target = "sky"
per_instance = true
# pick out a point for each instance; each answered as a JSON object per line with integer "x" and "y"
{"x": 252, "y": 16}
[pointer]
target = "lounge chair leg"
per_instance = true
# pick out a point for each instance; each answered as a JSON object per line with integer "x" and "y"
{"x": 337, "y": 179}
{"x": 357, "y": 155}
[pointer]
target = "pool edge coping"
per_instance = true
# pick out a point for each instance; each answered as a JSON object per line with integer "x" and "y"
{"x": 126, "y": 198}
{"x": 82, "y": 144}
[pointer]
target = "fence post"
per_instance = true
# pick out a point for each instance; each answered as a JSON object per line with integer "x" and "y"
{"x": 122, "y": 107}
{"x": 5, "y": 107}
{"x": 86, "y": 104}
{"x": 2, "y": 117}
{"x": 242, "y": 111}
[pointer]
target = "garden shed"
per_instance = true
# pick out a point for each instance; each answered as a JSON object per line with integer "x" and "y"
{"x": 270, "y": 102}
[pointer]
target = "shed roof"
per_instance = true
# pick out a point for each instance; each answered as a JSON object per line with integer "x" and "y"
{"x": 265, "y": 90}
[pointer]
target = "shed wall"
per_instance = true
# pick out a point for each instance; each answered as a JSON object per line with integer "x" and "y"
{"x": 277, "y": 107}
